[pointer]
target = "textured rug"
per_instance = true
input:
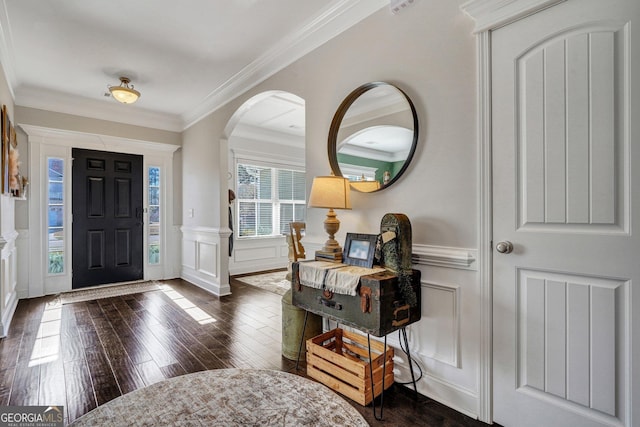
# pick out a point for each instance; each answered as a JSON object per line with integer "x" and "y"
{"x": 228, "y": 397}
{"x": 273, "y": 282}
{"x": 107, "y": 292}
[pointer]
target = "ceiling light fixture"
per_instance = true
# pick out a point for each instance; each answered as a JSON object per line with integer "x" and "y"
{"x": 124, "y": 93}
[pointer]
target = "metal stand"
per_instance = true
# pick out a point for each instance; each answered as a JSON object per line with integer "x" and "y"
{"x": 384, "y": 368}
{"x": 406, "y": 350}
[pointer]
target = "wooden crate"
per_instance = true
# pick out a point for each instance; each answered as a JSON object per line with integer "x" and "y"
{"x": 340, "y": 360}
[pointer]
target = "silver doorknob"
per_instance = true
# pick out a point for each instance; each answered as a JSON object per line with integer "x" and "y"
{"x": 504, "y": 247}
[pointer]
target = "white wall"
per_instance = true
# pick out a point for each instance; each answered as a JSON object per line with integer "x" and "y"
{"x": 429, "y": 52}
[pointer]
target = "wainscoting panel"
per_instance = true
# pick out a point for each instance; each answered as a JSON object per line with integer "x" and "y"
{"x": 201, "y": 258}
{"x": 435, "y": 343}
{"x": 23, "y": 263}
{"x": 207, "y": 258}
{"x": 189, "y": 253}
{"x": 251, "y": 255}
{"x": 440, "y": 324}
{"x": 8, "y": 280}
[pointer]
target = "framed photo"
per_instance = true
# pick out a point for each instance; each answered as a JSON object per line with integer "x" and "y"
{"x": 13, "y": 137}
{"x": 6, "y": 125}
{"x": 359, "y": 249}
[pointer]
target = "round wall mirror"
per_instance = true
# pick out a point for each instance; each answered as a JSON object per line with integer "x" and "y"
{"x": 373, "y": 136}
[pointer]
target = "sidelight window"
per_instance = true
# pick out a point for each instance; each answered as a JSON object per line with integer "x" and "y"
{"x": 154, "y": 215}
{"x": 55, "y": 215}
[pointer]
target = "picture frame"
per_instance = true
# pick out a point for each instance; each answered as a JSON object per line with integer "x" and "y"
{"x": 6, "y": 125}
{"x": 13, "y": 136}
{"x": 359, "y": 249}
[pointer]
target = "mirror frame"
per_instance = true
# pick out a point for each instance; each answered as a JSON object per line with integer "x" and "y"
{"x": 337, "y": 121}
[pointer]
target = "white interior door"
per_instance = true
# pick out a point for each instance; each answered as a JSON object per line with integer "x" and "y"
{"x": 566, "y": 180}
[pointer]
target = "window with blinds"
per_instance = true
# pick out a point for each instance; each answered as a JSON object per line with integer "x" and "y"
{"x": 268, "y": 199}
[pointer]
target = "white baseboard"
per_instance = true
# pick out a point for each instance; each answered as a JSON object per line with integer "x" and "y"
{"x": 7, "y": 314}
{"x": 440, "y": 390}
{"x": 255, "y": 267}
{"x": 204, "y": 282}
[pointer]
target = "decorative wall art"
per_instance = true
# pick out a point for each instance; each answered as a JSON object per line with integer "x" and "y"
{"x": 5, "y": 150}
{"x": 12, "y": 181}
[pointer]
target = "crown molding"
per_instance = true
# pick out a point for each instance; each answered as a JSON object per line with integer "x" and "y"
{"x": 45, "y": 99}
{"x": 492, "y": 14}
{"x": 339, "y": 17}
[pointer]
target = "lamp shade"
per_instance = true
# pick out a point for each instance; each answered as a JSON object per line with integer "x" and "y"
{"x": 331, "y": 192}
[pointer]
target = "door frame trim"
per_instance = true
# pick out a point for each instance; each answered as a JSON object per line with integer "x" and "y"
{"x": 492, "y": 14}
{"x": 489, "y": 15}
{"x": 42, "y": 141}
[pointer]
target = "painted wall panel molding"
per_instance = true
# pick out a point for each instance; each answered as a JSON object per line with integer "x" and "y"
{"x": 443, "y": 256}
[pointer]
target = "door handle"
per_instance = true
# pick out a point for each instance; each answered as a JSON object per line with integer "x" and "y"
{"x": 504, "y": 247}
{"x": 139, "y": 212}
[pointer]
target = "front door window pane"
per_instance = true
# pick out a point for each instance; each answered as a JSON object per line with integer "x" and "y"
{"x": 154, "y": 215}
{"x": 55, "y": 217}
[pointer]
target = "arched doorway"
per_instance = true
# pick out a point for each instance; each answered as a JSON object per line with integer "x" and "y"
{"x": 266, "y": 170}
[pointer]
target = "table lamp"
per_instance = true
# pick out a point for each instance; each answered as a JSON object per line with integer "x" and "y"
{"x": 331, "y": 192}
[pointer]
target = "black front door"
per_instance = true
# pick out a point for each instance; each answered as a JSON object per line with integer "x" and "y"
{"x": 107, "y": 218}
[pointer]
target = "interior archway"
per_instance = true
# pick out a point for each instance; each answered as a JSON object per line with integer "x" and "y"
{"x": 266, "y": 154}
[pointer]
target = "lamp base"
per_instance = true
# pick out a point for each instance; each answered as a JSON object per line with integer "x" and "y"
{"x": 328, "y": 256}
{"x": 331, "y": 226}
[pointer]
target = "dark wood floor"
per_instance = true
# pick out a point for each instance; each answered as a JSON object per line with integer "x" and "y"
{"x": 85, "y": 354}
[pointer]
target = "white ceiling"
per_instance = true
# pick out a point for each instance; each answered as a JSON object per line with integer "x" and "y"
{"x": 187, "y": 58}
{"x": 276, "y": 117}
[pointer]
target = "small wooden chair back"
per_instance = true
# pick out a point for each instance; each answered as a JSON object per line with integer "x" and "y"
{"x": 296, "y": 229}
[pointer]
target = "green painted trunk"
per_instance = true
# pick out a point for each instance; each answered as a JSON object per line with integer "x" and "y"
{"x": 378, "y": 308}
